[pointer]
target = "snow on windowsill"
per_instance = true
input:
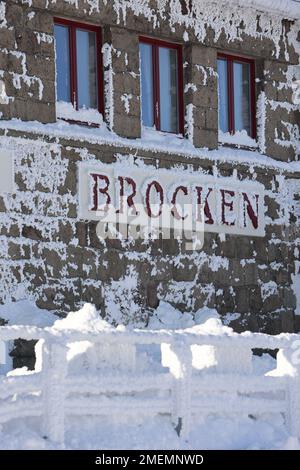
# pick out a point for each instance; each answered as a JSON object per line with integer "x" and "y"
{"x": 239, "y": 138}
{"x": 150, "y": 134}
{"x": 169, "y": 143}
{"x": 89, "y": 116}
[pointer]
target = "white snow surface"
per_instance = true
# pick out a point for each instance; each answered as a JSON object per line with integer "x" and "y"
{"x": 221, "y": 431}
{"x": 212, "y": 433}
{"x": 67, "y": 111}
{"x": 168, "y": 317}
{"x": 239, "y": 138}
{"x": 85, "y": 320}
{"x": 150, "y": 140}
{"x": 26, "y": 313}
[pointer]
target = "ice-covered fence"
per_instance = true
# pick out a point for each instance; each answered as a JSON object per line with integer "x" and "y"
{"x": 199, "y": 373}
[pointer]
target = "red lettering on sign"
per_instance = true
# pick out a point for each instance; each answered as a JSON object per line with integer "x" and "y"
{"x": 174, "y": 210}
{"x": 250, "y": 211}
{"x": 207, "y": 212}
{"x": 160, "y": 192}
{"x": 129, "y": 198}
{"x": 228, "y": 205}
{"x": 97, "y": 189}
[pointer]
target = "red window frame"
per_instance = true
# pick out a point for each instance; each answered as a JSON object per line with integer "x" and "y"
{"x": 72, "y": 27}
{"x": 156, "y": 43}
{"x": 230, "y": 59}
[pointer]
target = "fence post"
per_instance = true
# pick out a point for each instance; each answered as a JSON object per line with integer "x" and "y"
{"x": 5, "y": 359}
{"x": 288, "y": 364}
{"x": 178, "y": 358}
{"x": 54, "y": 370}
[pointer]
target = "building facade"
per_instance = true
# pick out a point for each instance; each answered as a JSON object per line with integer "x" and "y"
{"x": 153, "y": 100}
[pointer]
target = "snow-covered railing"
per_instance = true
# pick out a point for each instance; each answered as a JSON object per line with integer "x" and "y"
{"x": 198, "y": 374}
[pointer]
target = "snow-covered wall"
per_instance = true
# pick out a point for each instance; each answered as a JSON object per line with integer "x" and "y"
{"x": 286, "y": 8}
{"x": 48, "y": 253}
{"x": 27, "y": 66}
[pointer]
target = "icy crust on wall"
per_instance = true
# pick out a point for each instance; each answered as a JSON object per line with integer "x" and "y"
{"x": 49, "y": 255}
{"x": 280, "y": 7}
{"x": 27, "y": 69}
{"x": 289, "y": 8}
{"x": 198, "y": 16}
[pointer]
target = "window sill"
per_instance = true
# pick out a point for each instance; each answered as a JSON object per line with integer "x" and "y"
{"x": 85, "y": 117}
{"x": 79, "y": 123}
{"x": 154, "y": 133}
{"x": 238, "y": 140}
{"x": 250, "y": 148}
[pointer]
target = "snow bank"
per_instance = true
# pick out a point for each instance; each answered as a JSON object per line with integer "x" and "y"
{"x": 210, "y": 434}
{"x": 85, "y": 320}
{"x": 26, "y": 313}
{"x": 205, "y": 319}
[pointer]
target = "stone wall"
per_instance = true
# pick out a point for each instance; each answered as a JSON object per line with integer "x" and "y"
{"x": 48, "y": 253}
{"x": 27, "y": 52}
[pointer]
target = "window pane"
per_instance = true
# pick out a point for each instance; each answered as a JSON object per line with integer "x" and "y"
{"x": 86, "y": 69}
{"x": 223, "y": 95}
{"x": 147, "y": 85}
{"x": 168, "y": 87}
{"x": 62, "y": 63}
{"x": 242, "y": 113}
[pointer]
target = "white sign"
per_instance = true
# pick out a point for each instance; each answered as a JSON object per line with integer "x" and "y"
{"x": 7, "y": 175}
{"x": 230, "y": 205}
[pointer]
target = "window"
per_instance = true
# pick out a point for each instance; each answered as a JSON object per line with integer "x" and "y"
{"x": 237, "y": 108}
{"x": 161, "y": 85}
{"x": 78, "y": 65}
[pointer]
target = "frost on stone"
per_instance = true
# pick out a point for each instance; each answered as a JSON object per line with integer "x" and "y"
{"x": 126, "y": 98}
{"x": 261, "y": 121}
{"x": 189, "y": 122}
{"x": 4, "y": 99}
{"x": 90, "y": 6}
{"x": 3, "y": 22}
{"x": 220, "y": 16}
{"x": 268, "y": 289}
{"x": 296, "y": 281}
{"x": 122, "y": 299}
{"x": 107, "y": 51}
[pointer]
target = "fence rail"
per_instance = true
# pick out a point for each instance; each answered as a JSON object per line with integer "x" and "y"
{"x": 115, "y": 382}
